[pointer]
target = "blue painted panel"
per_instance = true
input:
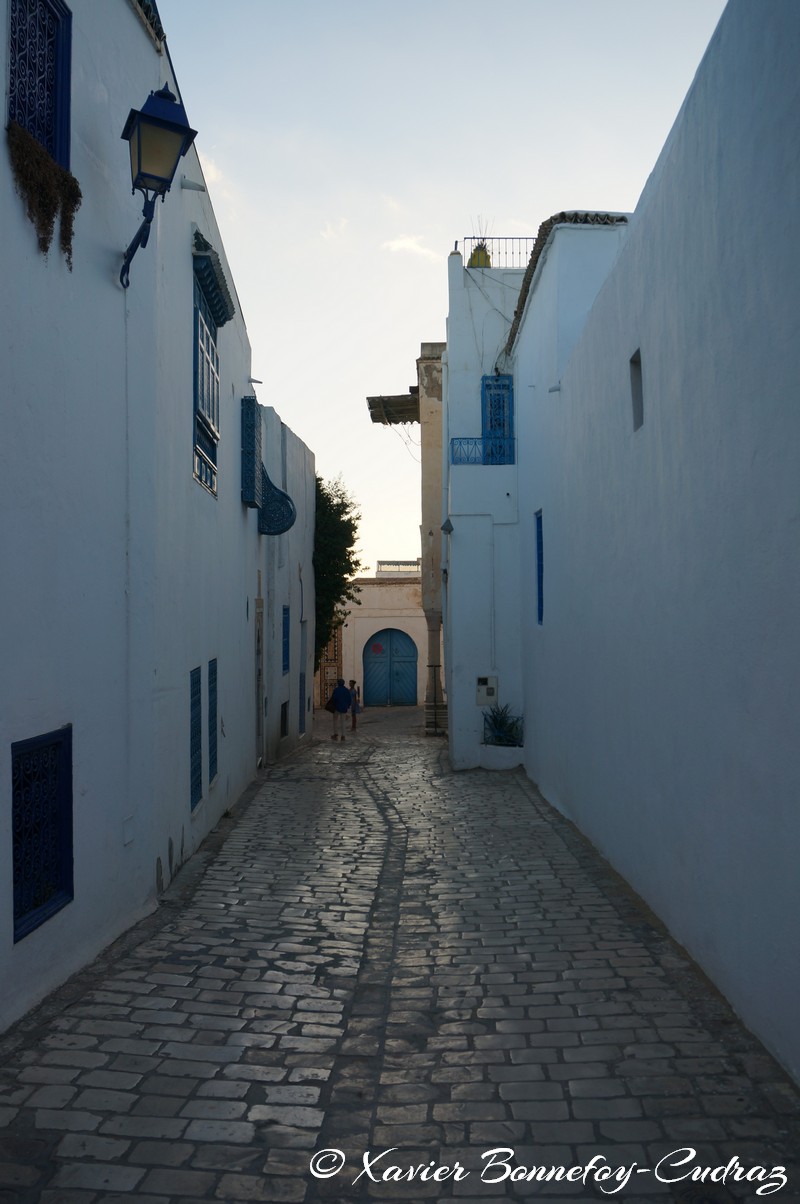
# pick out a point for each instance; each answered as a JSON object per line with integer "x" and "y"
{"x": 195, "y": 738}
{"x": 41, "y": 814}
{"x": 390, "y": 669}
{"x": 376, "y": 671}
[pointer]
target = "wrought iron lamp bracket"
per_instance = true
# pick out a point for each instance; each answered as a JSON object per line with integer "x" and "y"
{"x": 141, "y": 236}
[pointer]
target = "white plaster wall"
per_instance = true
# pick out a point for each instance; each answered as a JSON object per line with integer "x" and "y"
{"x": 126, "y": 573}
{"x": 481, "y": 597}
{"x": 290, "y": 578}
{"x": 69, "y": 415}
{"x": 662, "y": 688}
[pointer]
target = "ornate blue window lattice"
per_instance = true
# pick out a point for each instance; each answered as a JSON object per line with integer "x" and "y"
{"x": 251, "y": 453}
{"x": 287, "y": 628}
{"x": 496, "y": 445}
{"x": 41, "y": 772}
{"x": 40, "y": 48}
{"x": 212, "y": 719}
{"x": 277, "y": 513}
{"x": 497, "y": 418}
{"x": 195, "y": 738}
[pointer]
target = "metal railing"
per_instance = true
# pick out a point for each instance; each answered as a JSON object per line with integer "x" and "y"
{"x": 496, "y": 252}
{"x": 482, "y": 451}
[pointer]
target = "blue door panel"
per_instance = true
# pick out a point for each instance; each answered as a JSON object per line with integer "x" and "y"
{"x": 390, "y": 669}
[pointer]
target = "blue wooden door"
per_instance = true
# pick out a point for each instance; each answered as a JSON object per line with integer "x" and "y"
{"x": 390, "y": 670}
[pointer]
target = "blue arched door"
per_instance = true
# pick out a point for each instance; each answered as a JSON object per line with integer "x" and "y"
{"x": 390, "y": 670}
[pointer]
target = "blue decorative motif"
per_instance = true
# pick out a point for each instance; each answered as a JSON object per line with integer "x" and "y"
{"x": 40, "y": 38}
{"x": 41, "y": 772}
{"x": 277, "y": 512}
{"x": 251, "y": 452}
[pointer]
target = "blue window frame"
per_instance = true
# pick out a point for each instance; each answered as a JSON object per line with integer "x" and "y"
{"x": 212, "y": 720}
{"x": 41, "y": 810}
{"x": 302, "y": 714}
{"x": 40, "y": 51}
{"x": 497, "y": 418}
{"x": 206, "y": 392}
{"x": 539, "y": 568}
{"x": 286, "y": 638}
{"x": 195, "y": 737}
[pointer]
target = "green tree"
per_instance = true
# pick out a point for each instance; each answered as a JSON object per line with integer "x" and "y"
{"x": 335, "y": 560}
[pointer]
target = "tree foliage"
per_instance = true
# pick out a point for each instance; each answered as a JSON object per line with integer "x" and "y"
{"x": 335, "y": 560}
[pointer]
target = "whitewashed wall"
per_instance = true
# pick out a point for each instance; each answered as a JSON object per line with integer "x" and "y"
{"x": 663, "y": 688}
{"x": 123, "y": 573}
{"x": 481, "y": 594}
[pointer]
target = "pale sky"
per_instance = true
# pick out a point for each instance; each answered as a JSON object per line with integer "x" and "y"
{"x": 348, "y": 145}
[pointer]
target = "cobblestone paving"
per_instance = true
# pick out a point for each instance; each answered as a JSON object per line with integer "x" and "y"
{"x": 374, "y": 954}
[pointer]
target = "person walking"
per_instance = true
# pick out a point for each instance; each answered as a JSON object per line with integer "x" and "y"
{"x": 355, "y": 707}
{"x": 342, "y": 701}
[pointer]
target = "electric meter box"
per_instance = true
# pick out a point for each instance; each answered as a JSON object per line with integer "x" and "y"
{"x": 486, "y": 693}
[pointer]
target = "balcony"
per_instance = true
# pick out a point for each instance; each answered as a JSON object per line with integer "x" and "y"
{"x": 482, "y": 451}
{"x": 496, "y": 252}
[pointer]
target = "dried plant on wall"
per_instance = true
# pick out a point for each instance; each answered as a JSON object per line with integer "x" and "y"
{"x": 47, "y": 189}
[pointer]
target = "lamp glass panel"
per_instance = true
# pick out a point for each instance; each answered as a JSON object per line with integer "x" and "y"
{"x": 158, "y": 151}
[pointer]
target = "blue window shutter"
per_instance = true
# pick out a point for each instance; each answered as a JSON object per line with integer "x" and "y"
{"x": 539, "y": 568}
{"x": 286, "y": 635}
{"x": 212, "y": 719}
{"x": 195, "y": 737}
{"x": 252, "y": 493}
{"x": 41, "y": 815}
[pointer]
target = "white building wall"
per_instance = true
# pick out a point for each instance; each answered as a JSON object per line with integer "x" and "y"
{"x": 125, "y": 573}
{"x": 662, "y": 688}
{"x": 481, "y": 595}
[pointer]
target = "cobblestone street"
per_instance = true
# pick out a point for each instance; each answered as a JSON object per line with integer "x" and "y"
{"x": 375, "y": 954}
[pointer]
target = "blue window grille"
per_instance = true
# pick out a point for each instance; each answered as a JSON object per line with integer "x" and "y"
{"x": 195, "y": 737}
{"x": 539, "y": 569}
{"x": 206, "y": 392}
{"x": 41, "y": 810}
{"x": 212, "y": 720}
{"x": 284, "y": 720}
{"x": 286, "y": 638}
{"x": 497, "y": 418}
{"x": 40, "y": 49}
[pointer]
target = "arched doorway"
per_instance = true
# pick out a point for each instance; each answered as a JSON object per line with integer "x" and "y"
{"x": 390, "y": 670}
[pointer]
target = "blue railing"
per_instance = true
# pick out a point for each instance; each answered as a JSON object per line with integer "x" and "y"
{"x": 482, "y": 451}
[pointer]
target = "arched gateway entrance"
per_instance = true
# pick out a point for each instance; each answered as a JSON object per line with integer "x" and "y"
{"x": 390, "y": 669}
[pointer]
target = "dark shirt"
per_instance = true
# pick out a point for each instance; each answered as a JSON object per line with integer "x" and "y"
{"x": 342, "y": 699}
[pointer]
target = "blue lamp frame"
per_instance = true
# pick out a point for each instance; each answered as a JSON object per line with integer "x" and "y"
{"x": 161, "y": 125}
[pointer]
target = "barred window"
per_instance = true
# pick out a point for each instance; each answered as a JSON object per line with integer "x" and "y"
{"x": 40, "y": 49}
{"x": 41, "y": 773}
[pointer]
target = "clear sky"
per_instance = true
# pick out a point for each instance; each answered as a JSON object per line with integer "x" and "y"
{"x": 347, "y": 146}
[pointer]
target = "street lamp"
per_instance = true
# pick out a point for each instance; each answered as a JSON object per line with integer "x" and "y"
{"x": 158, "y": 135}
